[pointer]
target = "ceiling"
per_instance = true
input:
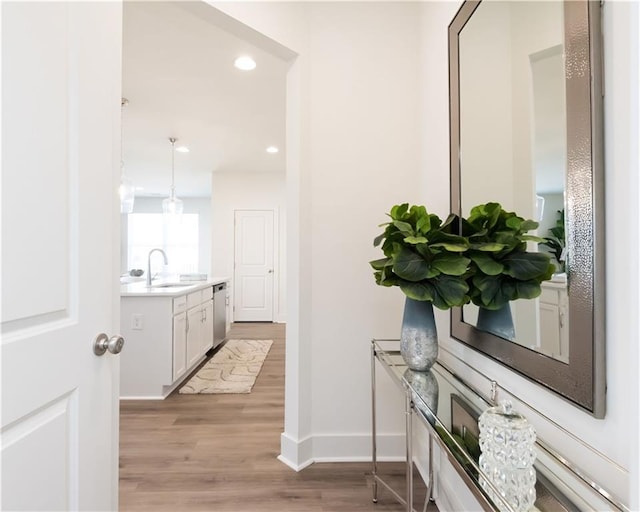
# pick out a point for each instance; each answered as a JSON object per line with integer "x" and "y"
{"x": 179, "y": 78}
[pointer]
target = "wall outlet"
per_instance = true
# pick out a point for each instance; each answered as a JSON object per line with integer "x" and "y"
{"x": 137, "y": 323}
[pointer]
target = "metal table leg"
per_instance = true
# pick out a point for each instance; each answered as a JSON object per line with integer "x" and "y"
{"x": 409, "y": 443}
{"x": 373, "y": 423}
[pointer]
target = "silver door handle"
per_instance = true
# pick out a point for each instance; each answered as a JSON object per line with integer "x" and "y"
{"x": 103, "y": 343}
{"x": 270, "y": 271}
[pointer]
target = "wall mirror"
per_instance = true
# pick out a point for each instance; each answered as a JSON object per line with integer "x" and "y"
{"x": 526, "y": 132}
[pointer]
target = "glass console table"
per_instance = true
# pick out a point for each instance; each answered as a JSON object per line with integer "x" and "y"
{"x": 449, "y": 409}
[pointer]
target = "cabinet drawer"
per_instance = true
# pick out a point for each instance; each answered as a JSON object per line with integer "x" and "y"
{"x": 207, "y": 294}
{"x": 179, "y": 304}
{"x": 549, "y": 296}
{"x": 194, "y": 298}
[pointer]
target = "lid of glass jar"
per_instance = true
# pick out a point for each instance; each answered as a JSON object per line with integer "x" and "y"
{"x": 503, "y": 415}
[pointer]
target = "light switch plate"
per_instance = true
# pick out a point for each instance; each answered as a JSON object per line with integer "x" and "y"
{"x": 137, "y": 323}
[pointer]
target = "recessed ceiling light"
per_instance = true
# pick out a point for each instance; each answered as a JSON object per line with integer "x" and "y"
{"x": 182, "y": 149}
{"x": 139, "y": 188}
{"x": 272, "y": 149}
{"x": 245, "y": 63}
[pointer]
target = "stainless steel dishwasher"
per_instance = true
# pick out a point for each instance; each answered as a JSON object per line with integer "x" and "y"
{"x": 219, "y": 313}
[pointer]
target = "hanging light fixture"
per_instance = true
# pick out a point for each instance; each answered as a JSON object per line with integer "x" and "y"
{"x": 126, "y": 190}
{"x": 172, "y": 205}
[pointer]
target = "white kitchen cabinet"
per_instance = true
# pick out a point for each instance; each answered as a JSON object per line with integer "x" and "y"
{"x": 194, "y": 335}
{"x": 168, "y": 333}
{"x": 207, "y": 326}
{"x": 179, "y": 345}
{"x": 554, "y": 321}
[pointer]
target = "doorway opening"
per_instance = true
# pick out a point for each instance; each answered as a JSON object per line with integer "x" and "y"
{"x": 231, "y": 185}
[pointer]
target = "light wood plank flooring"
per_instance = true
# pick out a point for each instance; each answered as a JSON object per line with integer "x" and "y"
{"x": 218, "y": 453}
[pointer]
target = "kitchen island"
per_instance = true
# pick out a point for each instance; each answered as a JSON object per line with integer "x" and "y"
{"x": 169, "y": 328}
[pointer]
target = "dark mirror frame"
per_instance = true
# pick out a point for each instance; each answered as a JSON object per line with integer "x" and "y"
{"x": 582, "y": 380}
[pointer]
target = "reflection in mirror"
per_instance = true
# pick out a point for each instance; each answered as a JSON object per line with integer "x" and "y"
{"x": 513, "y": 80}
{"x": 523, "y": 110}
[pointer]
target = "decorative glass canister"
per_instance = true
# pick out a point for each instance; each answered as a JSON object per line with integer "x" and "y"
{"x": 507, "y": 445}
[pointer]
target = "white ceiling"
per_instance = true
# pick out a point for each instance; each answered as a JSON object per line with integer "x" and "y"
{"x": 179, "y": 78}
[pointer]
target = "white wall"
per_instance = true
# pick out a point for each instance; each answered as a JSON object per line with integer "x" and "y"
{"x": 487, "y": 131}
{"x": 354, "y": 133}
{"x": 600, "y": 447}
{"x": 249, "y": 191}
{"x": 199, "y": 205}
{"x": 367, "y": 128}
{"x": 364, "y": 142}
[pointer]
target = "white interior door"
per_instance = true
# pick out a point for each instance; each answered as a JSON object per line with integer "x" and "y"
{"x": 253, "y": 266}
{"x": 60, "y": 152}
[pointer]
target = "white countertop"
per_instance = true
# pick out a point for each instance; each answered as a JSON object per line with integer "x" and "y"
{"x": 139, "y": 289}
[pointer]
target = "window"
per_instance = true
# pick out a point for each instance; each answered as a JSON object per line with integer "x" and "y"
{"x": 176, "y": 236}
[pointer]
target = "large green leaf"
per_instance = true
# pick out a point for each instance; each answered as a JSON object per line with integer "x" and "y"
{"x": 424, "y": 251}
{"x": 414, "y": 240}
{"x": 514, "y": 223}
{"x": 451, "y": 247}
{"x": 385, "y": 279}
{"x": 378, "y": 239}
{"x": 399, "y": 210}
{"x": 486, "y": 263}
{"x": 472, "y": 236}
{"x": 528, "y": 225}
{"x": 435, "y": 222}
{"x": 380, "y": 264}
{"x": 492, "y": 214}
{"x": 526, "y": 265}
{"x": 449, "y": 242}
{"x": 404, "y": 227}
{"x": 495, "y": 291}
{"x": 452, "y": 291}
{"x": 418, "y": 291}
{"x": 393, "y": 243}
{"x": 488, "y": 247}
{"x": 424, "y": 224}
{"x": 528, "y": 289}
{"x": 450, "y": 224}
{"x": 417, "y": 212}
{"x": 450, "y": 264}
{"x": 409, "y": 265}
{"x": 532, "y": 238}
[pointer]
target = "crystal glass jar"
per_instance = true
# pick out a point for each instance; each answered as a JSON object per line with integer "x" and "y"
{"x": 508, "y": 453}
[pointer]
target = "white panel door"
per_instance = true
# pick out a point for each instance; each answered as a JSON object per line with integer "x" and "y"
{"x": 253, "y": 263}
{"x": 60, "y": 152}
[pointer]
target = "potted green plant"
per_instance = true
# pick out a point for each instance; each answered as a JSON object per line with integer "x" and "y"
{"x": 556, "y": 241}
{"x": 426, "y": 259}
{"x": 502, "y": 269}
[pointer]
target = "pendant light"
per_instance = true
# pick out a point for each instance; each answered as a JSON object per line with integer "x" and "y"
{"x": 126, "y": 190}
{"x": 172, "y": 205}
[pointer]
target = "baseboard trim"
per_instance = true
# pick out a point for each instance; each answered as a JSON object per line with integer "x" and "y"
{"x": 322, "y": 460}
{"x": 353, "y": 448}
{"x": 339, "y": 448}
{"x": 292, "y": 465}
{"x": 297, "y": 454}
{"x": 124, "y": 398}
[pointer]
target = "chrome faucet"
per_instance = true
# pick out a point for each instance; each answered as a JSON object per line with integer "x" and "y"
{"x": 166, "y": 262}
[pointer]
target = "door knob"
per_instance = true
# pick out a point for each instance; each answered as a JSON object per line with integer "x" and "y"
{"x": 104, "y": 343}
{"x": 270, "y": 271}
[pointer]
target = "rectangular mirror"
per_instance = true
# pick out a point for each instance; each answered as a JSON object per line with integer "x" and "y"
{"x": 526, "y": 132}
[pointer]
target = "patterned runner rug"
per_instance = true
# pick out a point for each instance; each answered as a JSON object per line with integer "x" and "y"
{"x": 233, "y": 369}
